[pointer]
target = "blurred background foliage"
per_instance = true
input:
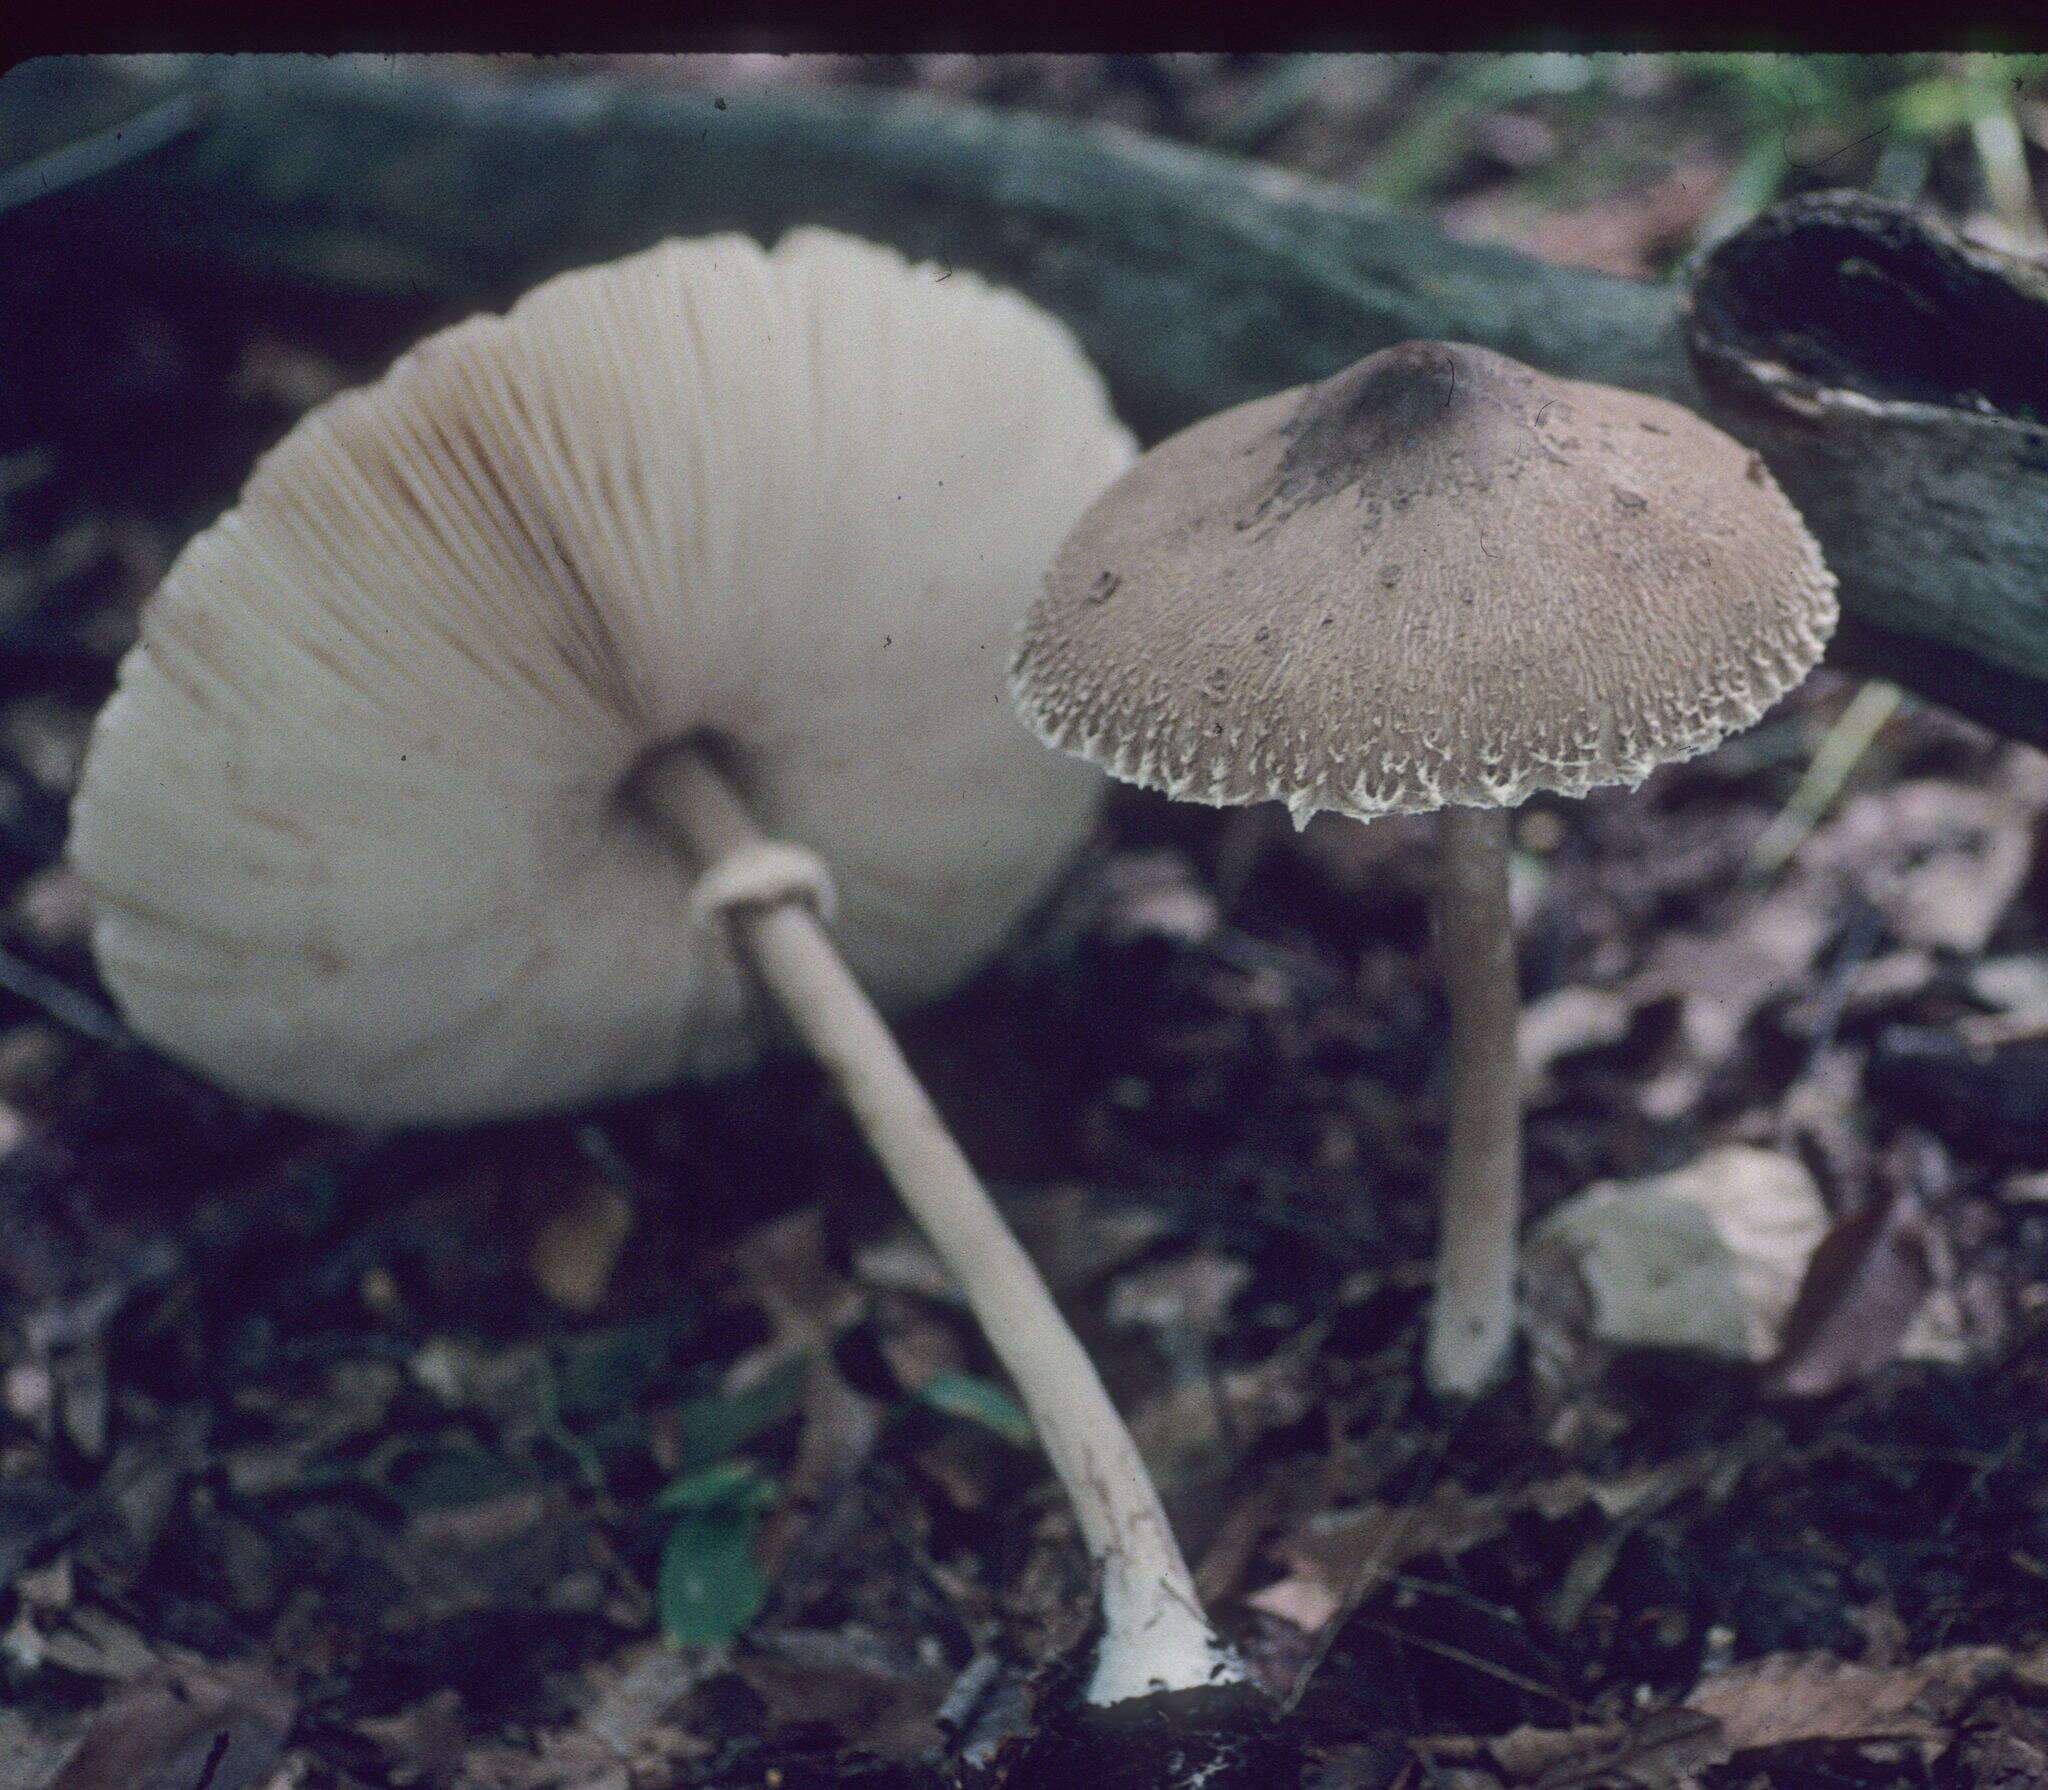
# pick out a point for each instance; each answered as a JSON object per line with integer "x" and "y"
{"x": 1621, "y": 161}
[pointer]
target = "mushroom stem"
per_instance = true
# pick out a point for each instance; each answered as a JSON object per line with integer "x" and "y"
{"x": 1471, "y": 1322}
{"x": 1155, "y": 1636}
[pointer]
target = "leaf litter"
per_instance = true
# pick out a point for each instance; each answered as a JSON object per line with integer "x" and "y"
{"x": 334, "y": 1462}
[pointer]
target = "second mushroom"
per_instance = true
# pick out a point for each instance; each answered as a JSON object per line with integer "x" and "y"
{"x": 1438, "y": 579}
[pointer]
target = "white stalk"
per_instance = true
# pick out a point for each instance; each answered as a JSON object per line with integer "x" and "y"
{"x": 1472, "y": 1319}
{"x": 1155, "y": 1636}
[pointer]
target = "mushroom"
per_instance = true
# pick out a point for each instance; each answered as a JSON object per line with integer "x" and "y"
{"x": 476, "y": 760}
{"x": 1436, "y": 579}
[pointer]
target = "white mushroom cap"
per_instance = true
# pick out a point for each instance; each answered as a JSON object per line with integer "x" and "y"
{"x": 354, "y": 818}
{"x": 1438, "y": 576}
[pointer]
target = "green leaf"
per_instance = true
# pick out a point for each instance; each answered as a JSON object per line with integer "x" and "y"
{"x": 709, "y": 1429}
{"x": 438, "y": 1478}
{"x": 602, "y": 1372}
{"x": 979, "y": 1401}
{"x": 724, "y": 1486}
{"x": 709, "y": 1585}
{"x": 1933, "y": 107}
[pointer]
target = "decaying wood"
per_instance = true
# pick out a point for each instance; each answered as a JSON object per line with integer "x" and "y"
{"x": 1196, "y": 281}
{"x": 1895, "y": 377}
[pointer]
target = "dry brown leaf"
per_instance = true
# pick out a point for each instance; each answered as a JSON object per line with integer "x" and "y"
{"x": 577, "y": 1246}
{"x": 627, "y": 1733}
{"x": 1631, "y": 231}
{"x": 846, "y": 1679}
{"x": 1564, "y": 1021}
{"x": 1076, "y": 1238}
{"x": 1875, "y": 983}
{"x": 1865, "y": 1285}
{"x": 2004, "y": 1746}
{"x": 806, "y": 1301}
{"x": 88, "y": 1641}
{"x": 1779, "y": 1700}
{"x": 917, "y": 1346}
{"x": 1155, "y": 894}
{"x": 28, "y": 1756}
{"x": 1337, "y": 1556}
{"x": 1199, "y": 1420}
{"x": 1941, "y": 861}
{"x": 186, "y": 1727}
{"x": 2018, "y": 988}
{"x": 1191, "y": 1292}
{"x": 1785, "y": 1697}
{"x": 1707, "y": 1257}
{"x": 903, "y": 1262}
{"x": 2030, "y": 1188}
{"x": 1722, "y": 979}
{"x": 422, "y": 1740}
{"x": 1663, "y": 1749}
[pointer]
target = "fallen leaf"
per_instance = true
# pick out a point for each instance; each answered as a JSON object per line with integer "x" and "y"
{"x": 807, "y": 1301}
{"x": 1631, "y": 231}
{"x": 1155, "y": 894}
{"x": 185, "y": 1727}
{"x": 1779, "y": 1700}
{"x": 94, "y": 1644}
{"x": 2004, "y": 1744}
{"x": 848, "y": 1679}
{"x": 28, "y": 1757}
{"x": 1200, "y": 1421}
{"x": 422, "y": 1740}
{"x": 1076, "y": 1238}
{"x": 2015, "y": 984}
{"x": 1789, "y": 1697}
{"x": 578, "y": 1245}
{"x": 1565, "y": 1021}
{"x": 1941, "y": 861}
{"x": 1864, "y": 1286}
{"x": 1304, "y": 1599}
{"x": 1870, "y": 985}
{"x": 1708, "y": 1257}
{"x": 628, "y": 1733}
{"x": 1723, "y": 979}
{"x": 1664, "y": 1749}
{"x": 1338, "y": 1556}
{"x": 1192, "y": 1292}
{"x": 2029, "y": 1188}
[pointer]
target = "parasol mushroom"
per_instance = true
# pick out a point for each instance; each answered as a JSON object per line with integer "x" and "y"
{"x": 709, "y": 558}
{"x": 1436, "y": 579}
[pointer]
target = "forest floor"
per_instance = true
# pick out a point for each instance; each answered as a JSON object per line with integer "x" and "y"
{"x": 332, "y": 1460}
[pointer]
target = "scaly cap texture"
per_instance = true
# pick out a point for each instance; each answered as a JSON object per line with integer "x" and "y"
{"x": 1436, "y": 577}
{"x": 354, "y": 822}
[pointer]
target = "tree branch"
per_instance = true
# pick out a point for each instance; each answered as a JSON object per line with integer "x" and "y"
{"x": 1195, "y": 280}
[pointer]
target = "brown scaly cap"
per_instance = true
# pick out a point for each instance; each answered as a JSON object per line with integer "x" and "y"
{"x": 1438, "y": 576}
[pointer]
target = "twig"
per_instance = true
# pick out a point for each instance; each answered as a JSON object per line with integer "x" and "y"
{"x": 1506, "y": 1674}
{"x": 61, "y": 1002}
{"x": 90, "y": 157}
{"x": 1845, "y": 744}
